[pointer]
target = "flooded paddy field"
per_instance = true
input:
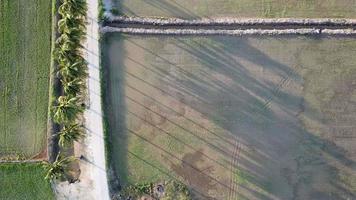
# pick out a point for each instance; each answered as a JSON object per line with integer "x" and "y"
{"x": 233, "y": 117}
{"x": 190, "y": 9}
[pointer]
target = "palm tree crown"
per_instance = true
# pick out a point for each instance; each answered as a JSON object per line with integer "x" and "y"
{"x": 67, "y": 109}
{"x": 58, "y": 168}
{"x": 70, "y": 133}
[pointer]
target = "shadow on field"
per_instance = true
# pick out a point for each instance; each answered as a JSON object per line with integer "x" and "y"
{"x": 171, "y": 7}
{"x": 279, "y": 134}
{"x": 114, "y": 109}
{"x": 256, "y": 102}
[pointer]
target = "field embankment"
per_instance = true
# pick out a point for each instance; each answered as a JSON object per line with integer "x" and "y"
{"x": 229, "y": 26}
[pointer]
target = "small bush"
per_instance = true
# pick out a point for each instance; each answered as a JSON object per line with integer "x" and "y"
{"x": 176, "y": 190}
{"x": 171, "y": 190}
{"x": 114, "y": 11}
{"x": 101, "y": 11}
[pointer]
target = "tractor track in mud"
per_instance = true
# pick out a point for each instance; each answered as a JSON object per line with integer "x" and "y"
{"x": 233, "y": 185}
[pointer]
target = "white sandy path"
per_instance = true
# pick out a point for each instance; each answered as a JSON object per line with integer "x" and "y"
{"x": 93, "y": 183}
{"x": 93, "y": 115}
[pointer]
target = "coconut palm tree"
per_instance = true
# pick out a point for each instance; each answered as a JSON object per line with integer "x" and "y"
{"x": 70, "y": 21}
{"x": 68, "y": 45}
{"x": 65, "y": 55}
{"x": 69, "y": 48}
{"x": 67, "y": 109}
{"x": 73, "y": 37}
{"x": 70, "y": 133}
{"x": 72, "y": 87}
{"x": 71, "y": 40}
{"x": 67, "y": 52}
{"x": 77, "y": 7}
{"x": 58, "y": 168}
{"x": 75, "y": 69}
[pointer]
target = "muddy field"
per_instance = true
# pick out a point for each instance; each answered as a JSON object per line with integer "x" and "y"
{"x": 237, "y": 8}
{"x": 234, "y": 118}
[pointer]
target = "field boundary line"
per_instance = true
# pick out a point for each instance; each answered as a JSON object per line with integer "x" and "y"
{"x": 54, "y": 89}
{"x": 229, "y": 26}
{"x": 236, "y": 32}
{"x": 232, "y": 21}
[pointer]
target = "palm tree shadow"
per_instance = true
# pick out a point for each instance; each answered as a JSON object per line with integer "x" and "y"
{"x": 171, "y": 8}
{"x": 114, "y": 117}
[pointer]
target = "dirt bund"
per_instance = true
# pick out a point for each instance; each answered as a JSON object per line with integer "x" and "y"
{"x": 229, "y": 26}
{"x": 233, "y": 21}
{"x": 239, "y": 32}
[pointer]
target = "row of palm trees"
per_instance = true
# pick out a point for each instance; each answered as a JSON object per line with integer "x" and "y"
{"x": 72, "y": 72}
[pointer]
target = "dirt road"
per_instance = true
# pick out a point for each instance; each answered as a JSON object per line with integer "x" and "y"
{"x": 93, "y": 116}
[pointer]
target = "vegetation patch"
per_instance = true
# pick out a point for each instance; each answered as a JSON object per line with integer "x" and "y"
{"x": 165, "y": 191}
{"x": 24, "y": 181}
{"x": 25, "y": 46}
{"x": 72, "y": 73}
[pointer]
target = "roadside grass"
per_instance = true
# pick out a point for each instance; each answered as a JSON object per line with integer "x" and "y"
{"x": 54, "y": 89}
{"x": 237, "y": 8}
{"x": 25, "y": 41}
{"x": 24, "y": 181}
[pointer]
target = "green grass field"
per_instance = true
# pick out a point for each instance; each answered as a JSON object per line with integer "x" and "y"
{"x": 25, "y": 39}
{"x": 24, "y": 181}
{"x": 238, "y": 8}
{"x": 234, "y": 117}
